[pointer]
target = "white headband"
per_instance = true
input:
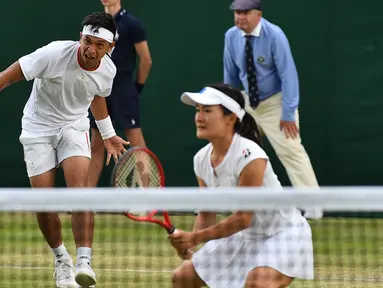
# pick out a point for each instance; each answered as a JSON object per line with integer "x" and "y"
{"x": 98, "y": 32}
{"x": 211, "y": 96}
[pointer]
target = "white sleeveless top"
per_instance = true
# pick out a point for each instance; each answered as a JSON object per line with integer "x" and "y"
{"x": 241, "y": 152}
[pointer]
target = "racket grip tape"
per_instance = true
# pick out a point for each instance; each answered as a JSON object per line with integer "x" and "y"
{"x": 171, "y": 229}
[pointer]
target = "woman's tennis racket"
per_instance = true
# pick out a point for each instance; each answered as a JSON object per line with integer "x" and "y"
{"x": 140, "y": 168}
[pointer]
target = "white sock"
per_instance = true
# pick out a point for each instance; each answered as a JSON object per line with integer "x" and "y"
{"x": 60, "y": 252}
{"x": 84, "y": 254}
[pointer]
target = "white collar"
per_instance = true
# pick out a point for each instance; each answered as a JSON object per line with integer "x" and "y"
{"x": 256, "y": 32}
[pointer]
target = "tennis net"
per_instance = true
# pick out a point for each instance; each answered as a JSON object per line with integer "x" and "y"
{"x": 347, "y": 242}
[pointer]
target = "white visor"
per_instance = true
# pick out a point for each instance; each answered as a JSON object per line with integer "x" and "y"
{"x": 98, "y": 32}
{"x": 210, "y": 96}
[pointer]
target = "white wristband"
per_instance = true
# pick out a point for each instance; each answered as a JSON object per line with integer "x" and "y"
{"x": 105, "y": 127}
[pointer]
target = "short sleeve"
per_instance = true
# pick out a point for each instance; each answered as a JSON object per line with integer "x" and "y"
{"x": 137, "y": 32}
{"x": 40, "y": 63}
{"x": 249, "y": 151}
{"x": 110, "y": 73}
{"x": 105, "y": 93}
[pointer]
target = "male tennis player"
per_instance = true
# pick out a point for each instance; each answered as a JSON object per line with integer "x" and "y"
{"x": 69, "y": 77}
{"x": 124, "y": 103}
{"x": 247, "y": 249}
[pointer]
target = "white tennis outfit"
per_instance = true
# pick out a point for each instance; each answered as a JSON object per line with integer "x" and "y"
{"x": 55, "y": 124}
{"x": 280, "y": 239}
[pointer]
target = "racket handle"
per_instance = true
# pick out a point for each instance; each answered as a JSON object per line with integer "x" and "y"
{"x": 172, "y": 229}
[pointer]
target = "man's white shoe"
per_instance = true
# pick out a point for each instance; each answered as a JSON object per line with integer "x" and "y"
{"x": 64, "y": 274}
{"x": 85, "y": 276}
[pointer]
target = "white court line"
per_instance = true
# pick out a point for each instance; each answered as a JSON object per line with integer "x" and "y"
{"x": 351, "y": 279}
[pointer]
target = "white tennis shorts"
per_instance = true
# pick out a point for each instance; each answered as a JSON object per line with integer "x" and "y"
{"x": 42, "y": 154}
{"x": 226, "y": 262}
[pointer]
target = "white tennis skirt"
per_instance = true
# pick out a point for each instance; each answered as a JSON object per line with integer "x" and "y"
{"x": 225, "y": 263}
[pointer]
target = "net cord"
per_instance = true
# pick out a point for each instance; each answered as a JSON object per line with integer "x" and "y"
{"x": 189, "y": 199}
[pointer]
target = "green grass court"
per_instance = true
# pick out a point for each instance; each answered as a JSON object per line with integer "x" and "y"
{"x": 348, "y": 252}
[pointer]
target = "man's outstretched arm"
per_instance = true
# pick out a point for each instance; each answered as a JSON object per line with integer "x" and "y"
{"x": 11, "y": 75}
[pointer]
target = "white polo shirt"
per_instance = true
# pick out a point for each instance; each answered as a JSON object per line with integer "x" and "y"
{"x": 241, "y": 152}
{"x": 62, "y": 90}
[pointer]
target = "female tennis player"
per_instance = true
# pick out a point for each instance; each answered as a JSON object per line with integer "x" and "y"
{"x": 247, "y": 249}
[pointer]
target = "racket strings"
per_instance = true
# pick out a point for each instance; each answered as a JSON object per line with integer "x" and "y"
{"x": 139, "y": 170}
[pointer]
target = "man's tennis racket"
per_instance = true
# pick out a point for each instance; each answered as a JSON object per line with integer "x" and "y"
{"x": 140, "y": 168}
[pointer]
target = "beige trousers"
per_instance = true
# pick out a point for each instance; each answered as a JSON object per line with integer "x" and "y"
{"x": 290, "y": 151}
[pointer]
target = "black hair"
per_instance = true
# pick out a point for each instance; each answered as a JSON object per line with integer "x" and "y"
{"x": 247, "y": 127}
{"x": 100, "y": 20}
